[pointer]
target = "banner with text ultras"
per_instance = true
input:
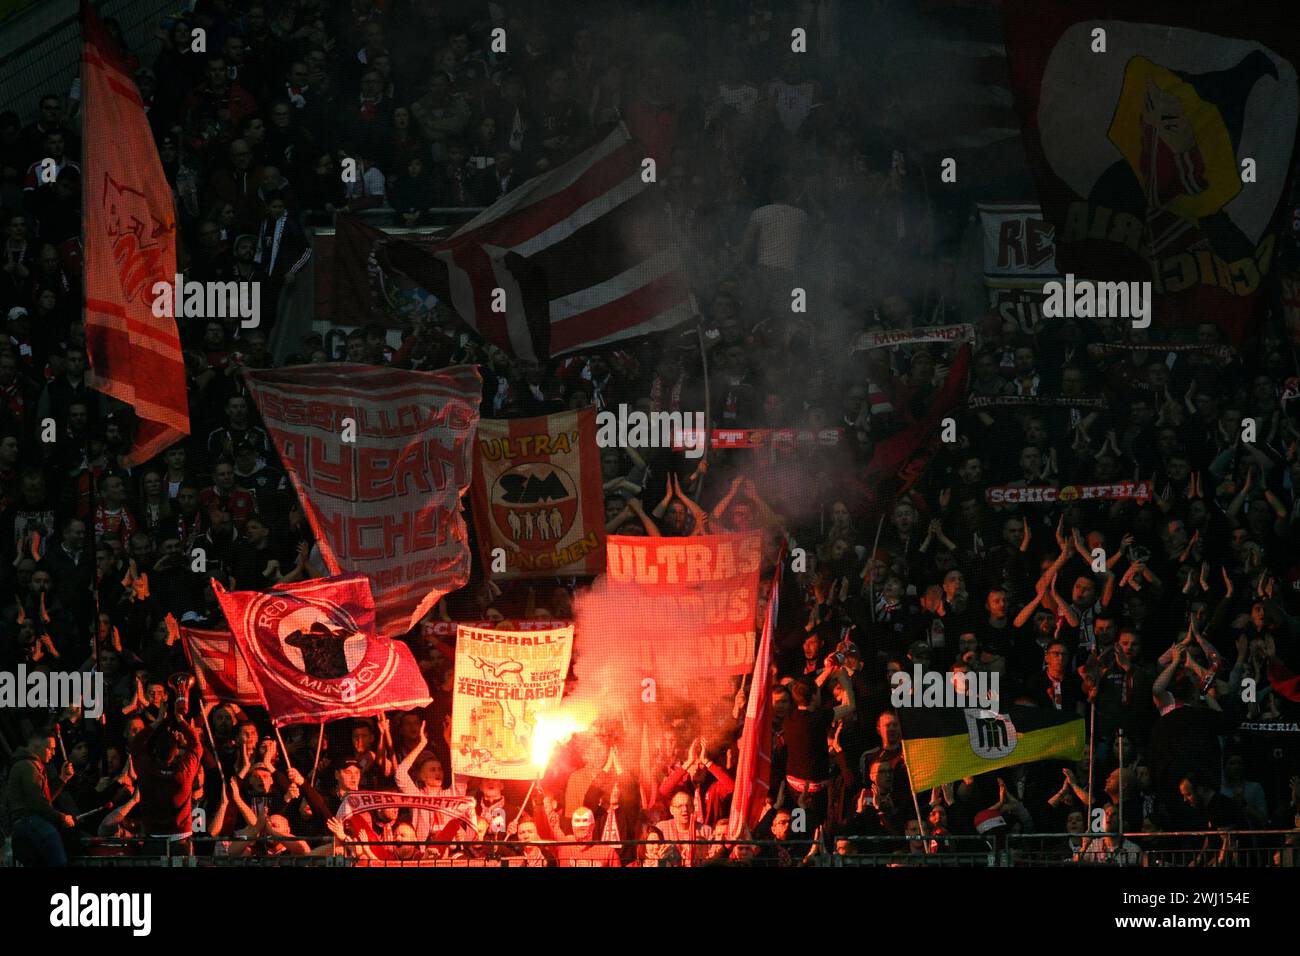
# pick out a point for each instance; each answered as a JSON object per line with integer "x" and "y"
{"x": 505, "y": 682}
{"x": 379, "y": 458}
{"x": 538, "y": 507}
{"x": 702, "y": 589}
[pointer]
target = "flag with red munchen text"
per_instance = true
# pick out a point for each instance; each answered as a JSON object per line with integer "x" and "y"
{"x": 314, "y": 653}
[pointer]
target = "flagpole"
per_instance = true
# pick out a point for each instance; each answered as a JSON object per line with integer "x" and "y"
{"x": 708, "y": 405}
{"x": 320, "y": 739}
{"x": 1092, "y": 731}
{"x": 871, "y": 580}
{"x": 920, "y": 822}
{"x": 1120, "y": 735}
{"x": 527, "y": 796}
{"x": 283, "y": 749}
{"x": 212, "y": 737}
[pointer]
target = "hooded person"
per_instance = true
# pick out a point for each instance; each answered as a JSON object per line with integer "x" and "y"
{"x": 583, "y": 851}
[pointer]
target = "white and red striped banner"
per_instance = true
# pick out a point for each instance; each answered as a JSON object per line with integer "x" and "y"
{"x": 379, "y": 458}
{"x": 130, "y": 244}
{"x": 575, "y": 250}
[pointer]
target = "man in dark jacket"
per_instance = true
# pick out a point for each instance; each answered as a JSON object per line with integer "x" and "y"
{"x": 38, "y": 828}
{"x": 167, "y": 756}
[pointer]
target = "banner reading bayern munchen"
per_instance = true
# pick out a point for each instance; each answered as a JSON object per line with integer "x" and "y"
{"x": 505, "y": 680}
{"x": 312, "y": 650}
{"x": 537, "y": 495}
{"x": 379, "y": 458}
{"x": 702, "y": 589}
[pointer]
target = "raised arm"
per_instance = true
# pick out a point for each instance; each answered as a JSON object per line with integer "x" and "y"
{"x": 402, "y": 775}
{"x": 721, "y": 507}
{"x": 651, "y": 529}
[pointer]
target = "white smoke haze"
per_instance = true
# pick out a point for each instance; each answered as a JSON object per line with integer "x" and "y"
{"x": 613, "y": 629}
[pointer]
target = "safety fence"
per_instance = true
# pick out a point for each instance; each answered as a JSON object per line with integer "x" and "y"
{"x": 1219, "y": 849}
{"x": 40, "y": 48}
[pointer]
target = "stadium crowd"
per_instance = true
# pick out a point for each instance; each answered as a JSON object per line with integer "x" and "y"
{"x": 1183, "y": 637}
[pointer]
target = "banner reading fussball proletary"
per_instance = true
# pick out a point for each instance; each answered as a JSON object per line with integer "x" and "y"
{"x": 537, "y": 496}
{"x": 702, "y": 590}
{"x": 379, "y": 458}
{"x": 504, "y": 680}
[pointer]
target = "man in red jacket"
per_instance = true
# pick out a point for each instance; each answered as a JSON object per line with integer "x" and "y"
{"x": 167, "y": 756}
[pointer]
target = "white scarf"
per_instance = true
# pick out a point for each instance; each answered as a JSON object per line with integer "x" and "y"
{"x": 275, "y": 243}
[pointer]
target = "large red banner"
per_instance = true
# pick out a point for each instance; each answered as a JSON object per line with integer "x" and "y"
{"x": 130, "y": 244}
{"x": 379, "y": 458}
{"x": 702, "y": 590}
{"x": 537, "y": 496}
{"x": 221, "y": 670}
{"x": 314, "y": 654}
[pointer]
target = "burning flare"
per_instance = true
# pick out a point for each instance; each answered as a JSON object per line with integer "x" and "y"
{"x": 550, "y": 731}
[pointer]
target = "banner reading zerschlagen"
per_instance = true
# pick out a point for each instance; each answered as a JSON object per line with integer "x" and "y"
{"x": 504, "y": 681}
{"x": 537, "y": 495}
{"x": 379, "y": 458}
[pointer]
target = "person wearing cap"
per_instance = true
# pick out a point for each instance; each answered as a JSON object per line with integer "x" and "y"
{"x": 585, "y": 852}
{"x": 244, "y": 267}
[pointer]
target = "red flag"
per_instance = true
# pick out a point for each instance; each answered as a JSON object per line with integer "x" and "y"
{"x": 904, "y": 456}
{"x": 754, "y": 770}
{"x": 130, "y": 244}
{"x": 379, "y": 458}
{"x": 220, "y": 668}
{"x": 313, "y": 652}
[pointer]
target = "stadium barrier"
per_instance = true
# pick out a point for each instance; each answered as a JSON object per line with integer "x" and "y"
{"x": 1226, "y": 849}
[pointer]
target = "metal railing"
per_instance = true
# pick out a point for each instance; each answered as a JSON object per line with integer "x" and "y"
{"x": 273, "y": 851}
{"x": 40, "y": 48}
{"x": 1227, "y": 849}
